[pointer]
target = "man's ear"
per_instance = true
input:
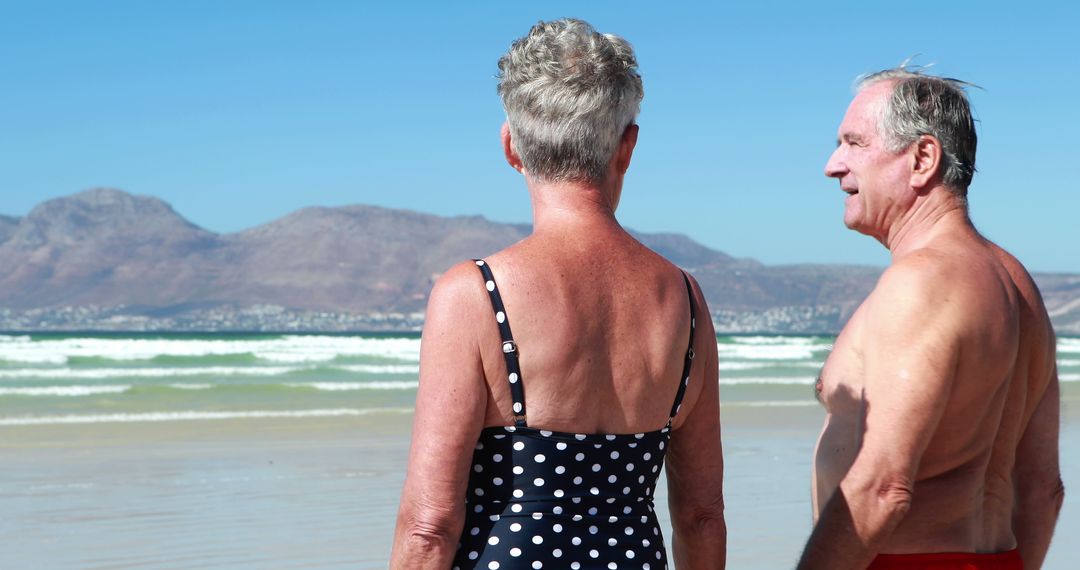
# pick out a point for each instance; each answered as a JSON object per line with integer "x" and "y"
{"x": 508, "y": 148}
{"x": 626, "y": 148}
{"x": 926, "y": 162}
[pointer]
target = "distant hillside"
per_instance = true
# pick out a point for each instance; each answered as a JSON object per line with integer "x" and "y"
{"x": 7, "y": 227}
{"x": 1061, "y": 293}
{"x": 107, "y": 259}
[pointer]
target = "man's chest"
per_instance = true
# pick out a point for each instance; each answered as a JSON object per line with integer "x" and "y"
{"x": 840, "y": 384}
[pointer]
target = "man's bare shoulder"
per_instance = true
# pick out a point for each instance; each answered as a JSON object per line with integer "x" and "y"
{"x": 925, "y": 277}
{"x": 1038, "y": 341}
{"x": 944, "y": 275}
{"x": 1020, "y": 277}
{"x": 939, "y": 297}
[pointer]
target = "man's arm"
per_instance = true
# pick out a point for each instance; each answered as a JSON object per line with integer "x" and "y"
{"x": 695, "y": 462}
{"x": 450, "y": 405}
{"x": 1037, "y": 479}
{"x": 910, "y": 349}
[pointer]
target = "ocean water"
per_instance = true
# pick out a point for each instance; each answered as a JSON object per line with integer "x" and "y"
{"x": 111, "y": 378}
{"x": 62, "y": 379}
{"x": 224, "y": 451}
{"x": 82, "y": 379}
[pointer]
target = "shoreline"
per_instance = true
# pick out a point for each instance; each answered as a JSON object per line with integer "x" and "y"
{"x": 263, "y": 493}
{"x": 276, "y": 451}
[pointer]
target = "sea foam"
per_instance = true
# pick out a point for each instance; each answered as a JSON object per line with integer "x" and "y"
{"x": 775, "y": 380}
{"x": 285, "y": 349}
{"x": 742, "y": 365}
{"x": 347, "y": 386}
{"x": 165, "y": 372}
{"x": 63, "y": 390}
{"x": 785, "y": 340}
{"x": 147, "y": 372}
{"x": 798, "y": 352}
{"x": 1068, "y": 345}
{"x": 769, "y": 404}
{"x": 195, "y": 416}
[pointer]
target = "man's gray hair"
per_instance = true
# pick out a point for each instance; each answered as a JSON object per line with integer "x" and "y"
{"x": 569, "y": 94}
{"x": 923, "y": 104}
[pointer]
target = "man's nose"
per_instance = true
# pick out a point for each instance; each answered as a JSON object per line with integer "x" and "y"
{"x": 835, "y": 167}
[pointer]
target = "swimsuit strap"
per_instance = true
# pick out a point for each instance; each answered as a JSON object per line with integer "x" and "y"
{"x": 689, "y": 356}
{"x": 509, "y": 347}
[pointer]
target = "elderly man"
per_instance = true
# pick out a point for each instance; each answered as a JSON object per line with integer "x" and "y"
{"x": 940, "y": 445}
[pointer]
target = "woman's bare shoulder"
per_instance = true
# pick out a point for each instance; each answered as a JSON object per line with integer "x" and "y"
{"x": 455, "y": 291}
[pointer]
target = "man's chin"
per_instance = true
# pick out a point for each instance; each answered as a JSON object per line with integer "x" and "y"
{"x": 857, "y": 227}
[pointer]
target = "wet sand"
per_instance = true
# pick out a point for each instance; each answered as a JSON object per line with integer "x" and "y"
{"x": 323, "y": 492}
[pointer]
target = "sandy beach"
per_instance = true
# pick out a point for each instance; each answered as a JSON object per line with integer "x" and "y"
{"x": 274, "y": 452}
{"x": 322, "y": 492}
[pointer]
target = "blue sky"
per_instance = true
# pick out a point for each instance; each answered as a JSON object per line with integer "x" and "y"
{"x": 237, "y": 113}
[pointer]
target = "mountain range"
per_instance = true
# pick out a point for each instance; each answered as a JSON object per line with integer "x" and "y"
{"x": 107, "y": 259}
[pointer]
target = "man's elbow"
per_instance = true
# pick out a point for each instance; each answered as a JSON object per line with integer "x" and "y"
{"x": 1057, "y": 495}
{"x": 1047, "y": 498}
{"x": 880, "y": 504}
{"x": 895, "y": 496}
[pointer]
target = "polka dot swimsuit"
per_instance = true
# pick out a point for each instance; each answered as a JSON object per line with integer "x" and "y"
{"x": 548, "y": 499}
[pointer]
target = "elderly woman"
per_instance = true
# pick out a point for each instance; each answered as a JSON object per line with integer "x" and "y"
{"x": 540, "y": 446}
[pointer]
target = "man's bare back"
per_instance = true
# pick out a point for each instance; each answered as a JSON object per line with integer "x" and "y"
{"x": 1002, "y": 358}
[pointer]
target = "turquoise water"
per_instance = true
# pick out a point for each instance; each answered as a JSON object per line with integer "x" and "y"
{"x": 48, "y": 379}
{"x": 72, "y": 379}
{"x": 230, "y": 451}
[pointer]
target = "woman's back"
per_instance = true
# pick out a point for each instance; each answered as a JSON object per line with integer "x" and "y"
{"x": 601, "y": 324}
{"x": 546, "y": 493}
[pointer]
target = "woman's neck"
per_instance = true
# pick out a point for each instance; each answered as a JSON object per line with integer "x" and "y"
{"x": 558, "y": 206}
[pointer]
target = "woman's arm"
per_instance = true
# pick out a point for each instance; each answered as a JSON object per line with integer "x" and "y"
{"x": 450, "y": 406}
{"x": 695, "y": 461}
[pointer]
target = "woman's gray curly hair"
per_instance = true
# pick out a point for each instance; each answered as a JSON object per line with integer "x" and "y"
{"x": 569, "y": 94}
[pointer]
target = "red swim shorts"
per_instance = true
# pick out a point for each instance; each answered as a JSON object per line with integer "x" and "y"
{"x": 949, "y": 561}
